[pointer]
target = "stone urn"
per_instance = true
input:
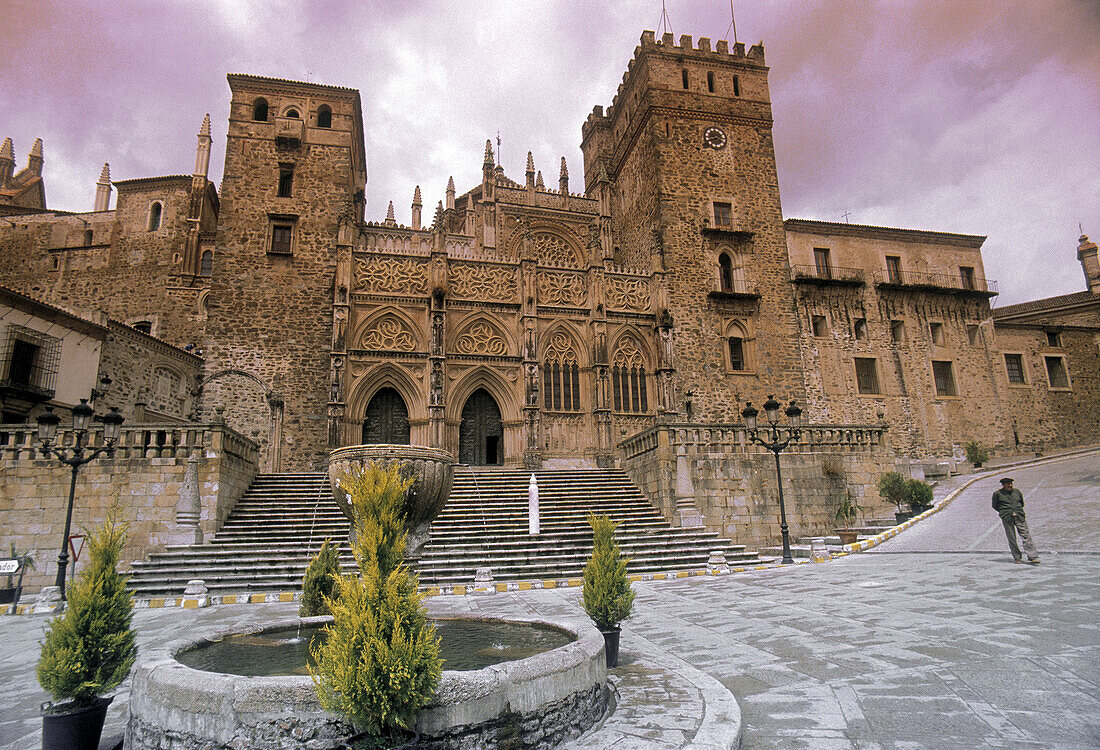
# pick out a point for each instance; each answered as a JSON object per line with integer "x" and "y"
{"x": 432, "y": 468}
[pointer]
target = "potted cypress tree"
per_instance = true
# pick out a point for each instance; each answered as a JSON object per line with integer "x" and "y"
{"x": 919, "y": 495}
{"x": 319, "y": 583}
{"x": 89, "y": 649}
{"x": 976, "y": 453}
{"x": 380, "y": 663}
{"x": 607, "y": 596}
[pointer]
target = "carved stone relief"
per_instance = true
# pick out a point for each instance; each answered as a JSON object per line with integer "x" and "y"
{"x": 391, "y": 276}
{"x": 562, "y": 289}
{"x": 388, "y": 333}
{"x": 489, "y": 283}
{"x": 628, "y": 294}
{"x": 481, "y": 338}
{"x": 551, "y": 250}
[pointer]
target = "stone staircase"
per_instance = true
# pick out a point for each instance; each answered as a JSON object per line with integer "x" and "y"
{"x": 281, "y": 521}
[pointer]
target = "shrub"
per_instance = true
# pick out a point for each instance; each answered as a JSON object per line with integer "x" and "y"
{"x": 90, "y": 648}
{"x": 319, "y": 583}
{"x": 380, "y": 662}
{"x": 919, "y": 494}
{"x": 607, "y": 596}
{"x": 847, "y": 511}
{"x": 976, "y": 453}
{"x": 894, "y": 488}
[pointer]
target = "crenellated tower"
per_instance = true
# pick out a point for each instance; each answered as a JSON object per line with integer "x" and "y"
{"x": 686, "y": 146}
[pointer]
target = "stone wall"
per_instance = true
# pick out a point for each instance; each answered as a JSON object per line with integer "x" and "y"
{"x": 715, "y": 469}
{"x": 172, "y": 481}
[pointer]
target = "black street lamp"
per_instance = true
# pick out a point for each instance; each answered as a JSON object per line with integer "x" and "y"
{"x": 75, "y": 458}
{"x": 774, "y": 443}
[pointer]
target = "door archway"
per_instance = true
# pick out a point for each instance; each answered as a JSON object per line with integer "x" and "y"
{"x": 481, "y": 432}
{"x": 386, "y": 419}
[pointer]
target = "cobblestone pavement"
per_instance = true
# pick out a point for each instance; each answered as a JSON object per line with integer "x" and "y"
{"x": 933, "y": 640}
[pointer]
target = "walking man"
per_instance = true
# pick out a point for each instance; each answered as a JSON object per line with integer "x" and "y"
{"x": 1009, "y": 503}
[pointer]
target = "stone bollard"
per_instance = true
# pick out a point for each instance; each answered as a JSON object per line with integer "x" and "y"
{"x": 717, "y": 564}
{"x": 195, "y": 595}
{"x": 48, "y": 601}
{"x": 483, "y": 582}
{"x": 819, "y": 552}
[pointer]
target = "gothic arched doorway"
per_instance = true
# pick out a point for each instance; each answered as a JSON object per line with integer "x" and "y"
{"x": 387, "y": 419}
{"x": 481, "y": 433}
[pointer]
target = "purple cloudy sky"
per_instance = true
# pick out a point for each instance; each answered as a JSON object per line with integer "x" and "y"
{"x": 961, "y": 116}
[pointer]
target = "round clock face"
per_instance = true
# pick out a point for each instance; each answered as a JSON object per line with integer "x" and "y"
{"x": 714, "y": 137}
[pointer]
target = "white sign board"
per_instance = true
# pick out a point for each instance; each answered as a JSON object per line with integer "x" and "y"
{"x": 8, "y": 566}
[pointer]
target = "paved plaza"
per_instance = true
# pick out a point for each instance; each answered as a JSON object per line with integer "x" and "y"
{"x": 934, "y": 639}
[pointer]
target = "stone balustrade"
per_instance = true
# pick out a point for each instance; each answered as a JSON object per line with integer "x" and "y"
{"x": 147, "y": 440}
{"x": 734, "y": 438}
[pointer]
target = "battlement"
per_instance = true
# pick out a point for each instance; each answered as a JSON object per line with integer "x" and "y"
{"x": 700, "y": 54}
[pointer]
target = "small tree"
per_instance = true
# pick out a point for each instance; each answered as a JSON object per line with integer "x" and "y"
{"x": 319, "y": 583}
{"x": 919, "y": 495}
{"x": 607, "y": 596}
{"x": 88, "y": 650}
{"x": 380, "y": 663}
{"x": 976, "y": 453}
{"x": 894, "y": 488}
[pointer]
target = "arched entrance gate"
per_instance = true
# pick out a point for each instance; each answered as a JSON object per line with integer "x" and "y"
{"x": 481, "y": 432}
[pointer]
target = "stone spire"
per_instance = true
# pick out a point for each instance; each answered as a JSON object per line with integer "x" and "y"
{"x": 563, "y": 179}
{"x": 487, "y": 173}
{"x": 416, "y": 207}
{"x": 437, "y": 222}
{"x": 103, "y": 189}
{"x": 450, "y": 192}
{"x": 390, "y": 221}
{"x": 202, "y": 152}
{"x": 34, "y": 161}
{"x": 488, "y": 153}
{"x": 7, "y": 163}
{"x": 1090, "y": 262}
{"x": 539, "y": 184}
{"x": 530, "y": 171}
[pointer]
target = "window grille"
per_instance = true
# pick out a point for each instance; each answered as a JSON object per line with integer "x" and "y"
{"x": 30, "y": 360}
{"x": 1014, "y": 364}
{"x": 867, "y": 375}
{"x": 1056, "y": 372}
{"x": 737, "y": 353}
{"x": 945, "y": 379}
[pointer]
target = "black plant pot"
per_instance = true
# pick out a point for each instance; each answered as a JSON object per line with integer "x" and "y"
{"x": 76, "y": 729}
{"x": 902, "y": 516}
{"x": 10, "y": 594}
{"x": 611, "y": 645}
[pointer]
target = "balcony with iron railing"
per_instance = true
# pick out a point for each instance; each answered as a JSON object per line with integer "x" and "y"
{"x": 950, "y": 283}
{"x": 735, "y": 289}
{"x": 828, "y": 276}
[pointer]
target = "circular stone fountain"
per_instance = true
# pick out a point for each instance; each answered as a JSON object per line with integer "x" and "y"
{"x": 542, "y": 699}
{"x": 431, "y": 468}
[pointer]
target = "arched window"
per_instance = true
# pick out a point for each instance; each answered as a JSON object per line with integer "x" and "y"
{"x": 561, "y": 375}
{"x": 730, "y": 273}
{"x": 155, "y": 212}
{"x": 206, "y": 264}
{"x": 259, "y": 110}
{"x": 87, "y": 237}
{"x": 710, "y": 82}
{"x": 145, "y": 326}
{"x": 292, "y": 113}
{"x": 628, "y": 379}
{"x": 324, "y": 116}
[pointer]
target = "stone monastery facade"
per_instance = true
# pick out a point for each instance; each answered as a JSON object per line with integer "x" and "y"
{"x": 531, "y": 325}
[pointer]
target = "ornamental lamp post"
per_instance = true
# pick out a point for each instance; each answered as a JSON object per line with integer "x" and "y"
{"x": 76, "y": 456}
{"x": 776, "y": 440}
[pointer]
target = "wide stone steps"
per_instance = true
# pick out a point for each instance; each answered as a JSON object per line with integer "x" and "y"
{"x": 268, "y": 539}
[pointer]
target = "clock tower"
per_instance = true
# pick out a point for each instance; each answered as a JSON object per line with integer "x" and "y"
{"x": 687, "y": 146}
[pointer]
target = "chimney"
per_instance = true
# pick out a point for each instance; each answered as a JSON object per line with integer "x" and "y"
{"x": 1090, "y": 264}
{"x": 7, "y": 163}
{"x": 103, "y": 189}
{"x": 34, "y": 161}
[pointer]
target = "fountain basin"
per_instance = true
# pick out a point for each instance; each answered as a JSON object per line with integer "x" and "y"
{"x": 543, "y": 699}
{"x": 432, "y": 468}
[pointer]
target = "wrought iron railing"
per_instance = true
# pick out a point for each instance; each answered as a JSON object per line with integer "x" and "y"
{"x": 838, "y": 274}
{"x": 922, "y": 280}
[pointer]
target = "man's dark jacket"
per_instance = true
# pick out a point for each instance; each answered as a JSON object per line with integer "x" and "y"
{"x": 1008, "y": 502}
